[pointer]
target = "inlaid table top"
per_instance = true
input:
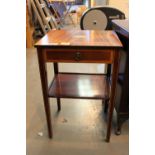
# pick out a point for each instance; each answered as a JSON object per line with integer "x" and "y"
{"x": 80, "y": 38}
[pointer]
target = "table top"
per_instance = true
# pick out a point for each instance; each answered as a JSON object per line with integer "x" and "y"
{"x": 123, "y": 26}
{"x": 80, "y": 38}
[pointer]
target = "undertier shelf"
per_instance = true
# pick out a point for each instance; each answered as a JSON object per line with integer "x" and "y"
{"x": 86, "y": 86}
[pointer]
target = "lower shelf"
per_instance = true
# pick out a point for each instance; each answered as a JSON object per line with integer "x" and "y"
{"x": 88, "y": 86}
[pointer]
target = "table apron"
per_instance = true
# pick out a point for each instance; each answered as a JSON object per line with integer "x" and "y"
{"x": 79, "y": 56}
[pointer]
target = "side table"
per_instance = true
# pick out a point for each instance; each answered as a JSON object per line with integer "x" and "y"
{"x": 79, "y": 46}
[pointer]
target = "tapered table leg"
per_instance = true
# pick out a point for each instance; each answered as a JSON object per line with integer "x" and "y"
{"x": 106, "y": 106}
{"x": 44, "y": 82}
{"x": 59, "y": 104}
{"x": 115, "y": 69}
{"x": 56, "y": 71}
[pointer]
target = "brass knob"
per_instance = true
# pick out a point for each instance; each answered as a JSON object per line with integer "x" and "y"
{"x": 77, "y": 56}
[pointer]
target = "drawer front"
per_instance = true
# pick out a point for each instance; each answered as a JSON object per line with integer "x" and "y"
{"x": 88, "y": 56}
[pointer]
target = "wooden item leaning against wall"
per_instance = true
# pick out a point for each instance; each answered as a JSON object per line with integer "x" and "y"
{"x": 29, "y": 39}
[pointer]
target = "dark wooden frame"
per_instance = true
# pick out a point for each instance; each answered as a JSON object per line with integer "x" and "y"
{"x": 122, "y": 107}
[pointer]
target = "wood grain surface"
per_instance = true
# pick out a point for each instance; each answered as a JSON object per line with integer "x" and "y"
{"x": 83, "y": 56}
{"x": 79, "y": 86}
{"x": 80, "y": 38}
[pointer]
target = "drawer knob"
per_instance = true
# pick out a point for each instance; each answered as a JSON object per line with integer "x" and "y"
{"x": 77, "y": 56}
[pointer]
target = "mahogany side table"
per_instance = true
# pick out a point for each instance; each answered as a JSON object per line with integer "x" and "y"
{"x": 79, "y": 46}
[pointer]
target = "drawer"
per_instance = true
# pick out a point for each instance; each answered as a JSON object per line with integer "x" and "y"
{"x": 88, "y": 56}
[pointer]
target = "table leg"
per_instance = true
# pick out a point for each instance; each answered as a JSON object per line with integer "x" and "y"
{"x": 44, "y": 82}
{"x": 115, "y": 70}
{"x": 108, "y": 70}
{"x": 59, "y": 104}
{"x": 106, "y": 102}
{"x": 106, "y": 105}
{"x": 56, "y": 71}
